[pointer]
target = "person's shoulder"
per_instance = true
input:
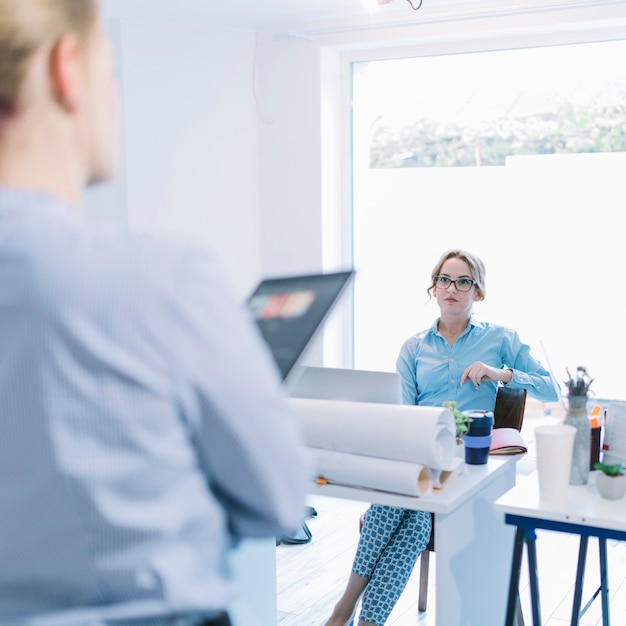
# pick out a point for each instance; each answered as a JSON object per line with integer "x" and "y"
{"x": 159, "y": 267}
{"x": 112, "y": 269}
{"x": 491, "y": 328}
{"x": 156, "y": 253}
{"x": 61, "y": 262}
{"x": 413, "y": 342}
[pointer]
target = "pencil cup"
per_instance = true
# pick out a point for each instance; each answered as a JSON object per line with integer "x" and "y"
{"x": 555, "y": 446}
{"x": 478, "y": 437}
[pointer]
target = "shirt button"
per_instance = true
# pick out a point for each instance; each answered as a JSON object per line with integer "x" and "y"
{"x": 452, "y": 380}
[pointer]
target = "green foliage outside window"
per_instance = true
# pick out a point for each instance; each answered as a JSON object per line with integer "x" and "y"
{"x": 570, "y": 129}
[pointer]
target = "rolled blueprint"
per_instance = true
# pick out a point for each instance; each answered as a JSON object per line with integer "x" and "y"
{"x": 370, "y": 472}
{"x": 443, "y": 478}
{"x": 398, "y": 432}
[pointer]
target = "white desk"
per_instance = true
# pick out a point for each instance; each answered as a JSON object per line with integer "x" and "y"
{"x": 472, "y": 575}
{"x": 583, "y": 512}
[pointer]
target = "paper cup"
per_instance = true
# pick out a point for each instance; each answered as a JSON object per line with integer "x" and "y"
{"x": 555, "y": 445}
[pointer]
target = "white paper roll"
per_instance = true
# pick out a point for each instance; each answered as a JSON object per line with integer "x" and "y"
{"x": 414, "y": 434}
{"x": 369, "y": 472}
{"x": 444, "y": 478}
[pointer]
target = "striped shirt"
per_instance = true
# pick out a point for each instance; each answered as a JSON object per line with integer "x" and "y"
{"x": 142, "y": 430}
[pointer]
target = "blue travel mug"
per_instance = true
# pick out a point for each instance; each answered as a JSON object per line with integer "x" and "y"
{"x": 478, "y": 437}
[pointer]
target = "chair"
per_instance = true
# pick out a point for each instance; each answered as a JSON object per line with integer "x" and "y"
{"x": 508, "y": 413}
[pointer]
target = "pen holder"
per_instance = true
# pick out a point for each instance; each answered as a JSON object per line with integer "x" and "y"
{"x": 478, "y": 437}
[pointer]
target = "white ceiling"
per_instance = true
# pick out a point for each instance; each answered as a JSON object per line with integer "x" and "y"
{"x": 266, "y": 14}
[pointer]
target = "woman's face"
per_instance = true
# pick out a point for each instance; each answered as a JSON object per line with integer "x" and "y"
{"x": 451, "y": 301}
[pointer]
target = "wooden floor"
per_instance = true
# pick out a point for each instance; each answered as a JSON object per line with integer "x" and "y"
{"x": 311, "y": 577}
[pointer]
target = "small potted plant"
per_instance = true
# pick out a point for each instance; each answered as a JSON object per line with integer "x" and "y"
{"x": 461, "y": 421}
{"x": 611, "y": 481}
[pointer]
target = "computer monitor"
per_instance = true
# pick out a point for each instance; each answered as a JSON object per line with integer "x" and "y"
{"x": 290, "y": 310}
{"x": 329, "y": 383}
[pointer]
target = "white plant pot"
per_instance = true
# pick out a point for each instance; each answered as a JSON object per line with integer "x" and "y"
{"x": 611, "y": 487}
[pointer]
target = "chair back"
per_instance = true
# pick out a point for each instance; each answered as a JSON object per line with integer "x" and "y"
{"x": 509, "y": 409}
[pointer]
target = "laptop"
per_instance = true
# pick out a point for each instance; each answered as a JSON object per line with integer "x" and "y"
{"x": 330, "y": 383}
{"x": 290, "y": 310}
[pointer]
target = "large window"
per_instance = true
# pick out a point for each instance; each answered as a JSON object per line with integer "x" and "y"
{"x": 517, "y": 155}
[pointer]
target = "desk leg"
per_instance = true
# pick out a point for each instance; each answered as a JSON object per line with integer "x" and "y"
{"x": 516, "y": 567}
{"x": 580, "y": 574}
{"x": 472, "y": 534}
{"x": 531, "y": 548}
{"x": 604, "y": 581}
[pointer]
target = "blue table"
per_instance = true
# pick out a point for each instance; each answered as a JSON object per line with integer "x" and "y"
{"x": 583, "y": 513}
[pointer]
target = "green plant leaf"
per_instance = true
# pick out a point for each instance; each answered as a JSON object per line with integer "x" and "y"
{"x": 611, "y": 470}
{"x": 461, "y": 421}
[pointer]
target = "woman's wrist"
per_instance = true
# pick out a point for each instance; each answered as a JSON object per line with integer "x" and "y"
{"x": 504, "y": 380}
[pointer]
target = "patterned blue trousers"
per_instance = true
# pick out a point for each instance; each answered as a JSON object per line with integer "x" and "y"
{"x": 390, "y": 542}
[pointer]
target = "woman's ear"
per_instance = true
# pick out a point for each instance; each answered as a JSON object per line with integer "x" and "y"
{"x": 66, "y": 66}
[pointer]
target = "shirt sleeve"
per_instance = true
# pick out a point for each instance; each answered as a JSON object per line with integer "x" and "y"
{"x": 247, "y": 440}
{"x": 528, "y": 373}
{"x": 405, "y": 366}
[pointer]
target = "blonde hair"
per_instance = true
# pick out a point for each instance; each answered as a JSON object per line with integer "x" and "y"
{"x": 26, "y": 26}
{"x": 477, "y": 268}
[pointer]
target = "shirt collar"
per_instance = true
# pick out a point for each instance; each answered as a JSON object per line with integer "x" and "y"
{"x": 473, "y": 322}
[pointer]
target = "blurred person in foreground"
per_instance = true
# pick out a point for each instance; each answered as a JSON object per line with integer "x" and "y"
{"x": 142, "y": 429}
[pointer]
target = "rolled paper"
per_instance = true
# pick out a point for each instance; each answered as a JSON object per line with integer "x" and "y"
{"x": 368, "y": 472}
{"x": 413, "y": 434}
{"x": 444, "y": 478}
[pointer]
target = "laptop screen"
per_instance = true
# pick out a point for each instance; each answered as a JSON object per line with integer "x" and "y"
{"x": 289, "y": 311}
{"x": 330, "y": 383}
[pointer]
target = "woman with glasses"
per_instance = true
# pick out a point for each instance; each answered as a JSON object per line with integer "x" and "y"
{"x": 458, "y": 358}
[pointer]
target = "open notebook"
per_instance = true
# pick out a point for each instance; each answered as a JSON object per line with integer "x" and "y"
{"x": 507, "y": 441}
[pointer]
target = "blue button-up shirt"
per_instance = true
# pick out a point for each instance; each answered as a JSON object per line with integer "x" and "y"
{"x": 431, "y": 368}
{"x": 142, "y": 429}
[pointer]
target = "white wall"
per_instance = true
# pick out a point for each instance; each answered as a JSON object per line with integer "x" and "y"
{"x": 190, "y": 169}
{"x": 290, "y": 155}
{"x": 190, "y": 123}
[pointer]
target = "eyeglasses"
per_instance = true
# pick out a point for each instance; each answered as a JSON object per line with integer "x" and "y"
{"x": 462, "y": 284}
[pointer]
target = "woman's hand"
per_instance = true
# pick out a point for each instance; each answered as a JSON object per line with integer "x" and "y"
{"x": 477, "y": 372}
